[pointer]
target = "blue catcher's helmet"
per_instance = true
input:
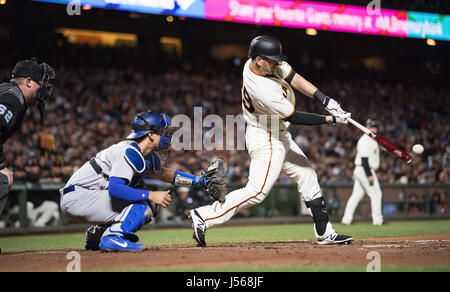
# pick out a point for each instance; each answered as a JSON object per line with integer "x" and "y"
{"x": 149, "y": 122}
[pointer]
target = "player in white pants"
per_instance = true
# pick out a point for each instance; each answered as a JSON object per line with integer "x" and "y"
{"x": 268, "y": 106}
{"x": 367, "y": 161}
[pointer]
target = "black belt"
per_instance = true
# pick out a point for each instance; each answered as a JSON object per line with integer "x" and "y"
{"x": 97, "y": 168}
{"x": 69, "y": 189}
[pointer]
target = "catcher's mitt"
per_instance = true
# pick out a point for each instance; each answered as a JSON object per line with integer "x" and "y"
{"x": 214, "y": 176}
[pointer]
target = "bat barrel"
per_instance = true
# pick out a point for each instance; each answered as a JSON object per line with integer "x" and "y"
{"x": 394, "y": 149}
{"x": 383, "y": 142}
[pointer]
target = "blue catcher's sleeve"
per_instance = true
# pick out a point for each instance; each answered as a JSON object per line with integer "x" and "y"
{"x": 118, "y": 189}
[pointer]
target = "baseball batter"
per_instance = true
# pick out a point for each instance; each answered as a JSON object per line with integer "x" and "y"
{"x": 108, "y": 191}
{"x": 367, "y": 162}
{"x": 268, "y": 105}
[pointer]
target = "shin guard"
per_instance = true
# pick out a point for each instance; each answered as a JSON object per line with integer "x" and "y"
{"x": 132, "y": 218}
{"x": 318, "y": 210}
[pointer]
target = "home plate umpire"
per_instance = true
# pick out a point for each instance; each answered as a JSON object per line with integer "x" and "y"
{"x": 30, "y": 84}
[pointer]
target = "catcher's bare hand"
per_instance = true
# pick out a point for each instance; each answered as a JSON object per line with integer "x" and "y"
{"x": 162, "y": 198}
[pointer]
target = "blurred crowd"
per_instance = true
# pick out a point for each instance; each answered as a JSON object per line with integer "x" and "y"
{"x": 99, "y": 90}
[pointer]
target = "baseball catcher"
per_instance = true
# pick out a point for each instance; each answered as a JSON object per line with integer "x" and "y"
{"x": 108, "y": 191}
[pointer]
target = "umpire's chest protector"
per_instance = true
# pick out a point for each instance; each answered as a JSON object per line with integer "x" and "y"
{"x": 12, "y": 109}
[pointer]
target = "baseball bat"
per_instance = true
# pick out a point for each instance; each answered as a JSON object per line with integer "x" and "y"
{"x": 383, "y": 142}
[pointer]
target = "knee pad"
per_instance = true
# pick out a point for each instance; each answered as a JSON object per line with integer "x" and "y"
{"x": 318, "y": 210}
{"x": 132, "y": 218}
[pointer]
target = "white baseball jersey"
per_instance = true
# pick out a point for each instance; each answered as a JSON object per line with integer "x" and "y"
{"x": 267, "y": 97}
{"x": 366, "y": 147}
{"x": 369, "y": 148}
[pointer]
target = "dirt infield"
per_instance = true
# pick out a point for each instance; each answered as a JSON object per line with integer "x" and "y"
{"x": 416, "y": 250}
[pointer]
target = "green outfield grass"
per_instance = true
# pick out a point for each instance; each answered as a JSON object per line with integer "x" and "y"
{"x": 266, "y": 233}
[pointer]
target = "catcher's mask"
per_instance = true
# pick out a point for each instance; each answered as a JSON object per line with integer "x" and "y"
{"x": 41, "y": 73}
{"x": 149, "y": 122}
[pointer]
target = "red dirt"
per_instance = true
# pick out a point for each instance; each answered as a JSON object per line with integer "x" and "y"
{"x": 412, "y": 250}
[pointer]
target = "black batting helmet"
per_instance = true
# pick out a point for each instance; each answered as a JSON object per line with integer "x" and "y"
{"x": 266, "y": 46}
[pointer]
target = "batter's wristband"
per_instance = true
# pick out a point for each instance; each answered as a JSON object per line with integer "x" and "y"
{"x": 321, "y": 97}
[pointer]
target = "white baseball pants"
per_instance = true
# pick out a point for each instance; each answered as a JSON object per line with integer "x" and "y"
{"x": 360, "y": 187}
{"x": 270, "y": 153}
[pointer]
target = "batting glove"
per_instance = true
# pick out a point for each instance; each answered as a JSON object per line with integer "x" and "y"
{"x": 334, "y": 108}
{"x": 341, "y": 118}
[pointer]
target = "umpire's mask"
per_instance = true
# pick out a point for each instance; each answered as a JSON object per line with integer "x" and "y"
{"x": 40, "y": 72}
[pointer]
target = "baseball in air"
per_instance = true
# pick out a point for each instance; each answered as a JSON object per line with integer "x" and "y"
{"x": 418, "y": 149}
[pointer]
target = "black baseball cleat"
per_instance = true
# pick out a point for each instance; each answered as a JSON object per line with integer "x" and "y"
{"x": 94, "y": 235}
{"x": 198, "y": 226}
{"x": 336, "y": 238}
{"x": 92, "y": 245}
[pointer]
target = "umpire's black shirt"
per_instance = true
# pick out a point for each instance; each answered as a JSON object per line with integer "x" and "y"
{"x": 12, "y": 109}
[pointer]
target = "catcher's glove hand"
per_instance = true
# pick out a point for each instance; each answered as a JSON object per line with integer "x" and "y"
{"x": 213, "y": 178}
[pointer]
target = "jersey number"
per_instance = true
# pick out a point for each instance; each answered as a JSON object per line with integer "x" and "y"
{"x": 5, "y": 112}
{"x": 247, "y": 101}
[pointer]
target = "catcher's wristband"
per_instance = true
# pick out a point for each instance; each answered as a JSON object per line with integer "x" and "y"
{"x": 182, "y": 179}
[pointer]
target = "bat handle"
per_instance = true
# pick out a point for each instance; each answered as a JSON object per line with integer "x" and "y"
{"x": 361, "y": 127}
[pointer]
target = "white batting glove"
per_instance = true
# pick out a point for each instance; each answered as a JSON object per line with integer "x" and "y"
{"x": 342, "y": 118}
{"x": 334, "y": 108}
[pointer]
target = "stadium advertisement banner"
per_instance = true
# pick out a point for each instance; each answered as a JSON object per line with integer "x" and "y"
{"x": 187, "y": 8}
{"x": 428, "y": 25}
{"x": 334, "y": 17}
{"x": 305, "y": 14}
{"x": 291, "y": 13}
